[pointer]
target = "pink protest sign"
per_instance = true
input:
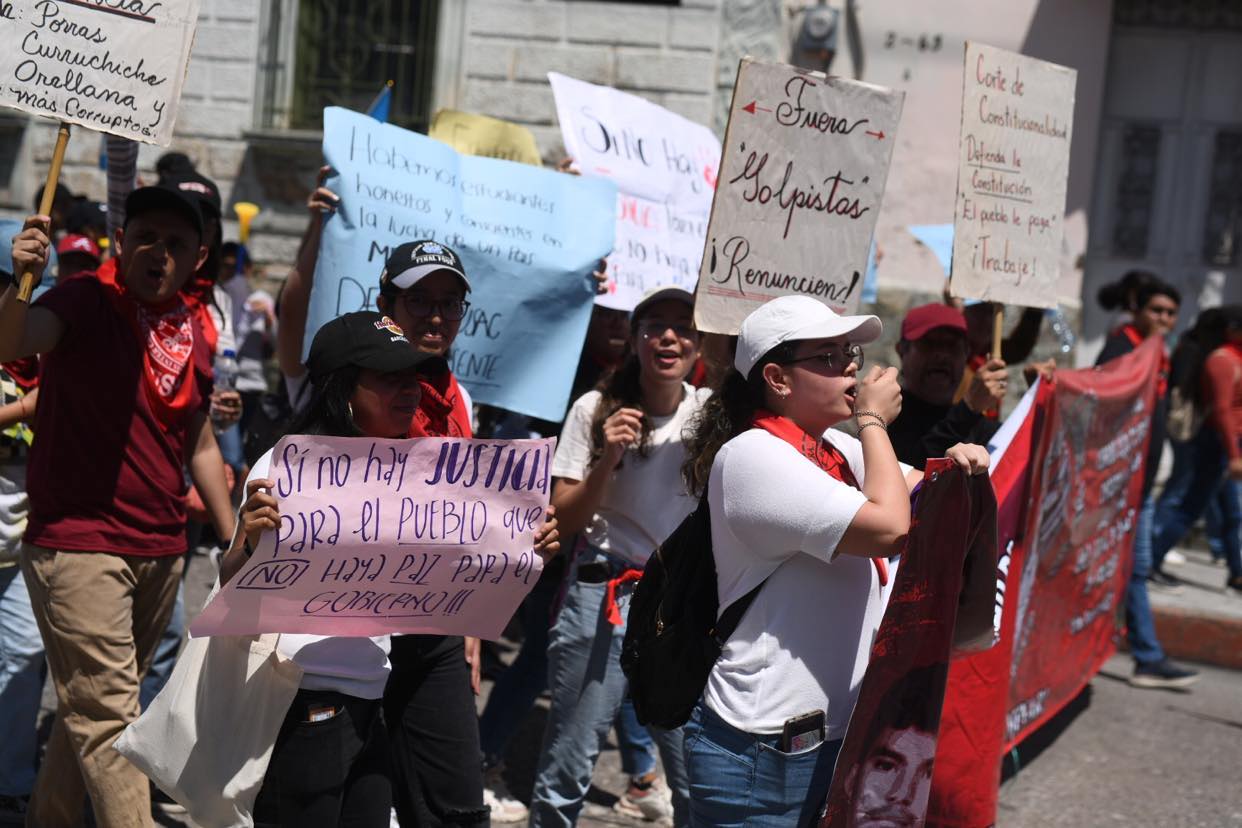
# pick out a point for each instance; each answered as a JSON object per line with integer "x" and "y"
{"x": 432, "y": 535}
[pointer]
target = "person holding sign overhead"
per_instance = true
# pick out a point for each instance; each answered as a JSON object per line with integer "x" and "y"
{"x": 811, "y": 515}
{"x": 106, "y": 535}
{"x": 330, "y": 765}
{"x": 616, "y": 482}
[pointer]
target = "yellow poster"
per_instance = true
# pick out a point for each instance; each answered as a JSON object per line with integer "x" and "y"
{"x": 481, "y": 135}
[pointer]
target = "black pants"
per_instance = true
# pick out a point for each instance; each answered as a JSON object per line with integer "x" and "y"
{"x": 330, "y": 772}
{"x": 433, "y": 731}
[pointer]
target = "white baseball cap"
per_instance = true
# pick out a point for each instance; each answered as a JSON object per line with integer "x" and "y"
{"x": 793, "y": 318}
{"x": 659, "y": 294}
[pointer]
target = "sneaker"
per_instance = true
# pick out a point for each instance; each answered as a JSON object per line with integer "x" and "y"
{"x": 1162, "y": 675}
{"x": 13, "y": 809}
{"x": 1174, "y": 557}
{"x": 1165, "y": 582}
{"x": 505, "y": 807}
{"x": 647, "y": 798}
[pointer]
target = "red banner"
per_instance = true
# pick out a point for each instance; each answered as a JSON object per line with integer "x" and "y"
{"x": 1076, "y": 458}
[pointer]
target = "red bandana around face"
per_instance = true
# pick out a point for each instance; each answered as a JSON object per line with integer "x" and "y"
{"x": 820, "y": 452}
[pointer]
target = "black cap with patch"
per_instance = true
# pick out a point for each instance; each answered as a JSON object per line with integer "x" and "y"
{"x": 410, "y": 262}
{"x": 369, "y": 340}
{"x": 199, "y": 188}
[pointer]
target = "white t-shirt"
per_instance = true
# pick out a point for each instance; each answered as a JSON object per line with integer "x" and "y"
{"x": 354, "y": 666}
{"x": 646, "y": 497}
{"x": 804, "y": 643}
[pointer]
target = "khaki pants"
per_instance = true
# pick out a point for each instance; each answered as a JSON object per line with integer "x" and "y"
{"x": 101, "y": 616}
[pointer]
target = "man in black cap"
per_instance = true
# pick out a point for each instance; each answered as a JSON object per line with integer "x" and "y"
{"x": 122, "y": 409}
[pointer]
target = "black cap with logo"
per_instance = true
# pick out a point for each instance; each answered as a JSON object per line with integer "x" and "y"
{"x": 164, "y": 198}
{"x": 200, "y": 189}
{"x": 369, "y": 340}
{"x": 410, "y": 262}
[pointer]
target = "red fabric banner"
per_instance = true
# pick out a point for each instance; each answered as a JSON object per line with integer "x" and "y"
{"x": 1076, "y": 460}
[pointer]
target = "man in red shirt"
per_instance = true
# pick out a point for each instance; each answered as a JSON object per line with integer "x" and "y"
{"x": 122, "y": 410}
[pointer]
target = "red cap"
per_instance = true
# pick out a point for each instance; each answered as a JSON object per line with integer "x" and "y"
{"x": 925, "y": 318}
{"x": 78, "y": 244}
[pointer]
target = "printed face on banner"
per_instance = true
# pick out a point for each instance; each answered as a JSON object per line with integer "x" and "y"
{"x": 1017, "y": 114}
{"x": 114, "y": 67}
{"x": 801, "y": 180}
{"x": 528, "y": 238}
{"x": 433, "y": 535}
{"x": 665, "y": 168}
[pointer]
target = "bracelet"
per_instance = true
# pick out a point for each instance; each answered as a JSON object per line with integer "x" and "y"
{"x": 865, "y": 426}
{"x": 883, "y": 422}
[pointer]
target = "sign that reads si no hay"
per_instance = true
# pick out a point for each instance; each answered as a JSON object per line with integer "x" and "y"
{"x": 528, "y": 238}
{"x": 116, "y": 66}
{"x": 433, "y": 535}
{"x": 665, "y": 168}
{"x": 1017, "y": 115}
{"x": 801, "y": 180}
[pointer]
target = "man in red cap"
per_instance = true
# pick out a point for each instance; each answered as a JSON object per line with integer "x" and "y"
{"x": 77, "y": 254}
{"x": 933, "y": 350}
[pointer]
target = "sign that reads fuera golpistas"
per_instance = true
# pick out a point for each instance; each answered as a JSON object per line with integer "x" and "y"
{"x": 116, "y": 66}
{"x": 805, "y": 161}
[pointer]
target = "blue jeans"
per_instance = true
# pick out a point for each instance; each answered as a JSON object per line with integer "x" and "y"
{"x": 520, "y": 685}
{"x": 1140, "y": 628}
{"x": 584, "y": 675}
{"x": 1231, "y": 525}
{"x": 634, "y": 742}
{"x": 1198, "y": 469}
{"x": 1214, "y": 522}
{"x": 166, "y": 651}
{"x": 744, "y": 779}
{"x": 22, "y": 673}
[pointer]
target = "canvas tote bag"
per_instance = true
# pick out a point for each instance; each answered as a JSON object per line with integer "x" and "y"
{"x": 207, "y": 738}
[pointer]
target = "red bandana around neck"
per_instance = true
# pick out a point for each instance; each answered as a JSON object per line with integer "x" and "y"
{"x": 167, "y": 336}
{"x": 1136, "y": 339}
{"x": 441, "y": 411}
{"x": 820, "y": 452}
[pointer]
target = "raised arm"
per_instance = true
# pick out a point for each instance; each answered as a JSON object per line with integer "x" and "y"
{"x": 882, "y": 523}
{"x": 295, "y": 297}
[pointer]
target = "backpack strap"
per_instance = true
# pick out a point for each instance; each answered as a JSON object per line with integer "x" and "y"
{"x": 732, "y": 616}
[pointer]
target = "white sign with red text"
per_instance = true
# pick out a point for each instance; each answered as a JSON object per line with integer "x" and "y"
{"x": 801, "y": 180}
{"x": 1017, "y": 114}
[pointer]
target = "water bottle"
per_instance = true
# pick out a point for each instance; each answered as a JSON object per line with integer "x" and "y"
{"x": 1061, "y": 327}
{"x": 225, "y": 370}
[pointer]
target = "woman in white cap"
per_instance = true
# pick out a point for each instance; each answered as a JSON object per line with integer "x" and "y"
{"x": 809, "y": 516}
{"x": 616, "y": 482}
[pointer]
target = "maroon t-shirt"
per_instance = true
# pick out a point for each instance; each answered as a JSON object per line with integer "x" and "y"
{"x": 103, "y": 476}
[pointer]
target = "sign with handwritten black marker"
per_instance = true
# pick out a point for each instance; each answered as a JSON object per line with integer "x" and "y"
{"x": 115, "y": 66}
{"x": 1017, "y": 114}
{"x": 433, "y": 535}
{"x": 801, "y": 180}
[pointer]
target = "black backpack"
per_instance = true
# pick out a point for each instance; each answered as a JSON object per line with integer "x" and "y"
{"x": 672, "y": 637}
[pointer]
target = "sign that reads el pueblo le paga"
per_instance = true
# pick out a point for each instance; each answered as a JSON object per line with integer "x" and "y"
{"x": 111, "y": 66}
{"x": 665, "y": 169}
{"x": 1017, "y": 114}
{"x": 801, "y": 179}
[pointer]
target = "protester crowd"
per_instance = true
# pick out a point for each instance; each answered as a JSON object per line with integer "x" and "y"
{"x": 137, "y": 425}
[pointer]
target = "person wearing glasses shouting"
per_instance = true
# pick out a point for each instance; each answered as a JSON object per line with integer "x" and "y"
{"x": 616, "y": 486}
{"x": 803, "y": 519}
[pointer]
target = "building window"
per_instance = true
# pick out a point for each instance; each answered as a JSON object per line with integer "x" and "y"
{"x": 342, "y": 53}
{"x": 1223, "y": 223}
{"x": 1136, "y": 190}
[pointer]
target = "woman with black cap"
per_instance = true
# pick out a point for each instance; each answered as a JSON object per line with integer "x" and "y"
{"x": 331, "y": 763}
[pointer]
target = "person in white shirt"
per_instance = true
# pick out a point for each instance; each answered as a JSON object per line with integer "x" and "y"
{"x": 617, "y": 483}
{"x": 331, "y": 764}
{"x": 812, "y": 515}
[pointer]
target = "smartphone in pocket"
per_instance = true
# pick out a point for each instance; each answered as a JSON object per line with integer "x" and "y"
{"x": 802, "y": 732}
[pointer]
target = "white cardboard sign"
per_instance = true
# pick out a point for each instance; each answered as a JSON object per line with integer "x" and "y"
{"x": 115, "y": 66}
{"x": 1017, "y": 115}
{"x": 801, "y": 180}
{"x": 664, "y": 166}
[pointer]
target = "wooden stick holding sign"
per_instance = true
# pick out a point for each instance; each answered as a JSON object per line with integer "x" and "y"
{"x": 1017, "y": 114}
{"x": 26, "y": 290}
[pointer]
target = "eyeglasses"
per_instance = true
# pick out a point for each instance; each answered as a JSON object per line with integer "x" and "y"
{"x": 451, "y": 309}
{"x": 837, "y": 359}
{"x": 654, "y": 328}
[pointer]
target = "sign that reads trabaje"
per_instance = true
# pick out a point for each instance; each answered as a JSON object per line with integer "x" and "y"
{"x": 801, "y": 180}
{"x": 1017, "y": 114}
{"x": 433, "y": 535}
{"x": 116, "y": 66}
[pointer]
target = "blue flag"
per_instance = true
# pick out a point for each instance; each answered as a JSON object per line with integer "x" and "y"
{"x": 382, "y": 103}
{"x": 528, "y": 238}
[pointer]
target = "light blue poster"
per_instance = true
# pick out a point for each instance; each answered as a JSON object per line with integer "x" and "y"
{"x": 528, "y": 238}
